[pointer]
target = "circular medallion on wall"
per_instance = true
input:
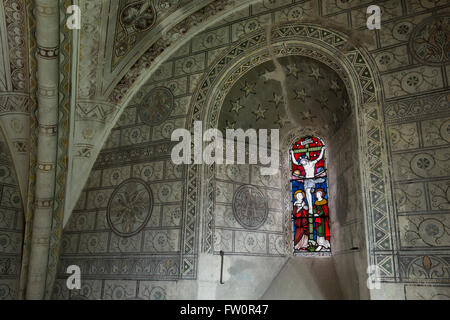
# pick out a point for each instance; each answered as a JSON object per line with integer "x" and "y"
{"x": 158, "y": 293}
{"x": 250, "y": 207}
{"x": 4, "y": 172}
{"x": 147, "y": 172}
{"x": 156, "y": 106}
{"x": 402, "y": 30}
{"x": 280, "y": 245}
{"x": 445, "y": 130}
{"x": 422, "y": 164}
{"x": 430, "y": 41}
{"x": 233, "y": 172}
{"x": 139, "y": 16}
{"x": 431, "y": 231}
{"x": 129, "y": 207}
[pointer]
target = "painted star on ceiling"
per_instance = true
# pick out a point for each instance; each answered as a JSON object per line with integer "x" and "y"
{"x": 335, "y": 86}
{"x": 345, "y": 107}
{"x": 259, "y": 113}
{"x": 236, "y": 106}
{"x": 248, "y": 88}
{"x": 307, "y": 115}
{"x": 270, "y": 75}
{"x": 315, "y": 72}
{"x": 230, "y": 124}
{"x": 323, "y": 101}
{"x": 335, "y": 119}
{"x": 277, "y": 99}
{"x": 301, "y": 94}
{"x": 282, "y": 120}
{"x": 266, "y": 75}
{"x": 293, "y": 70}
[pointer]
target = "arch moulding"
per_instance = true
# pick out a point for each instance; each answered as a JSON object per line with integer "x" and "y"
{"x": 357, "y": 71}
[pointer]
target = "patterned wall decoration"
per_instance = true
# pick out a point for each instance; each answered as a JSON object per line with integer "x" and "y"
{"x": 354, "y": 59}
{"x": 410, "y": 53}
{"x": 98, "y": 80}
{"x": 419, "y": 145}
{"x": 130, "y": 206}
{"x": 413, "y": 93}
{"x": 16, "y": 27}
{"x": 126, "y": 231}
{"x": 156, "y": 106}
{"x": 249, "y": 103}
{"x": 250, "y": 207}
{"x": 248, "y": 218}
{"x": 90, "y": 35}
{"x": 11, "y": 226}
{"x": 134, "y": 18}
{"x": 430, "y": 42}
{"x": 15, "y": 84}
{"x": 120, "y": 88}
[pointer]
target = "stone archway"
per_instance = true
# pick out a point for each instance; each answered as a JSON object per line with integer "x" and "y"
{"x": 359, "y": 75}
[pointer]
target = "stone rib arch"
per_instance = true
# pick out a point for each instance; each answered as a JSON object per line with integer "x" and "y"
{"x": 103, "y": 113}
{"x": 362, "y": 81}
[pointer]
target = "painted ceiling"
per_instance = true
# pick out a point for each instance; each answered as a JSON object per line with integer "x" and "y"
{"x": 292, "y": 91}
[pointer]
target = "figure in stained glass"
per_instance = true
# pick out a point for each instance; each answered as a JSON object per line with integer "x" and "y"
{"x": 309, "y": 196}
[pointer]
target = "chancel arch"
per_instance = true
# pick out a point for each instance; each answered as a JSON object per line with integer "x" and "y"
{"x": 199, "y": 210}
{"x": 363, "y": 131}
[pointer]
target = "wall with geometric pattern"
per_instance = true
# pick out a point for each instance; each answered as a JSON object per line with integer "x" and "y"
{"x": 157, "y": 255}
{"x": 11, "y": 225}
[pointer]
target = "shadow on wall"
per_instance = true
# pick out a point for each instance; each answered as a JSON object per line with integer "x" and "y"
{"x": 304, "y": 278}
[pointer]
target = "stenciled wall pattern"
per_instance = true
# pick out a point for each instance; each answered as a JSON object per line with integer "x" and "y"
{"x": 138, "y": 259}
{"x": 258, "y": 100}
{"x": 411, "y": 53}
{"x": 128, "y": 222}
{"x": 11, "y": 226}
{"x": 419, "y": 145}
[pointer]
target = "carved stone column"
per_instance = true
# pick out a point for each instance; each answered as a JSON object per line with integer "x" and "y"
{"x": 47, "y": 38}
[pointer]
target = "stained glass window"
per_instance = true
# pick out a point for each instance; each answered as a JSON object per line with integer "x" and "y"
{"x": 310, "y": 213}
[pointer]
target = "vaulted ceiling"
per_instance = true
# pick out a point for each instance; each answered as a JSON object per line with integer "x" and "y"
{"x": 117, "y": 55}
{"x": 117, "y": 42}
{"x": 299, "y": 91}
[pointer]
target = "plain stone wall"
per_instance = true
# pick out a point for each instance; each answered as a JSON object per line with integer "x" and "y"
{"x": 304, "y": 278}
{"x": 347, "y": 227}
{"x": 243, "y": 277}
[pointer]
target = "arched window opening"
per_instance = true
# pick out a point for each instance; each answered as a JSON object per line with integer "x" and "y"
{"x": 309, "y": 196}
